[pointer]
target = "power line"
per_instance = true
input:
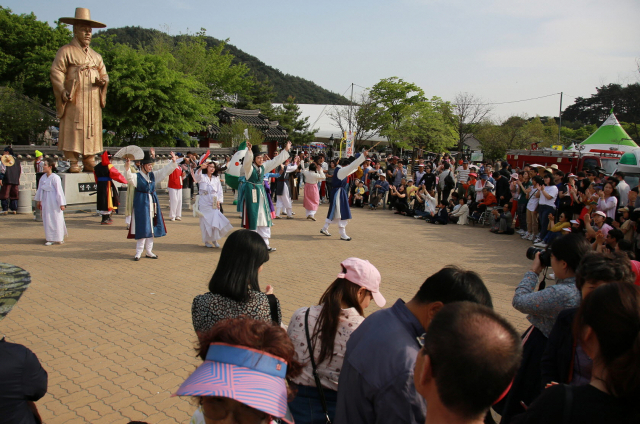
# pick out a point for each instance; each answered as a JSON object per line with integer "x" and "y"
{"x": 512, "y": 101}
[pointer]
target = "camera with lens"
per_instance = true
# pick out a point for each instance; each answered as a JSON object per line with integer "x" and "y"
{"x": 545, "y": 255}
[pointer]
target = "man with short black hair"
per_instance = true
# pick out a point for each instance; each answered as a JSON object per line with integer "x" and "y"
{"x": 376, "y": 379}
{"x": 468, "y": 361}
{"x": 622, "y": 188}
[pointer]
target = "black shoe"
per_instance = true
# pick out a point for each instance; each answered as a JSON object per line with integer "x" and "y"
{"x": 345, "y": 239}
{"x": 271, "y": 249}
{"x": 136, "y": 258}
{"x": 151, "y": 257}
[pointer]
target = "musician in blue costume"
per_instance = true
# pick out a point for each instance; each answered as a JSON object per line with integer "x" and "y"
{"x": 339, "y": 212}
{"x": 252, "y": 200}
{"x": 146, "y": 219}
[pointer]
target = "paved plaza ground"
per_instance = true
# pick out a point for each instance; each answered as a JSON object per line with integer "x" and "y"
{"x": 116, "y": 336}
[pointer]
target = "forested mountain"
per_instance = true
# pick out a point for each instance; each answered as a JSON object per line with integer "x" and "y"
{"x": 284, "y": 85}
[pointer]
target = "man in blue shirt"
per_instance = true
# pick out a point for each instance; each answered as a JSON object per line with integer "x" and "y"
{"x": 376, "y": 379}
{"x": 378, "y": 191}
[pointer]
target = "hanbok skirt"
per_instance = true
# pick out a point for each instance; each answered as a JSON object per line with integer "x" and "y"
{"x": 213, "y": 224}
{"x": 311, "y": 197}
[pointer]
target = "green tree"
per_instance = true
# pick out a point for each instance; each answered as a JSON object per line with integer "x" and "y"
{"x": 289, "y": 116}
{"x": 22, "y": 120}
{"x": 394, "y": 99}
{"x": 360, "y": 118}
{"x": 429, "y": 127}
{"x": 231, "y": 135}
{"x": 27, "y": 48}
{"x": 470, "y": 113}
{"x": 147, "y": 101}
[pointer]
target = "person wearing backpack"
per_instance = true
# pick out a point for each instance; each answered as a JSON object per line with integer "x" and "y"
{"x": 446, "y": 183}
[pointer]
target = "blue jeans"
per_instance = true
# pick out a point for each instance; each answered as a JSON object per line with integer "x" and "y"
{"x": 306, "y": 408}
{"x": 543, "y": 213}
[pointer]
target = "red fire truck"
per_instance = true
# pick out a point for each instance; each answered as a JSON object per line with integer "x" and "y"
{"x": 567, "y": 161}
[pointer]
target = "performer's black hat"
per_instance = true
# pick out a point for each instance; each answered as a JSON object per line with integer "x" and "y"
{"x": 256, "y": 151}
{"x": 146, "y": 159}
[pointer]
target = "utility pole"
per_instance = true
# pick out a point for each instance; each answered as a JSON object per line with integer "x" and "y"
{"x": 560, "y": 119}
{"x": 350, "y": 107}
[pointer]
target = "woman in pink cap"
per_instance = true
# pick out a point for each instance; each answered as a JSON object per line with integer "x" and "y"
{"x": 328, "y": 326}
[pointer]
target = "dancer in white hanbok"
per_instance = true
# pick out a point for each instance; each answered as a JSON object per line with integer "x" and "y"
{"x": 51, "y": 201}
{"x": 213, "y": 224}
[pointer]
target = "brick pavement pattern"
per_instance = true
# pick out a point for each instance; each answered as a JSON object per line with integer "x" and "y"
{"x": 116, "y": 336}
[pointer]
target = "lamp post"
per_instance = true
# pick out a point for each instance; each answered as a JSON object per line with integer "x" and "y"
{"x": 330, "y": 143}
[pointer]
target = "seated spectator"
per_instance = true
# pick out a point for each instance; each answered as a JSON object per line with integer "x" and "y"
{"x": 428, "y": 199}
{"x": 606, "y": 326}
{"x": 542, "y": 307}
{"x": 459, "y": 216}
{"x": 376, "y": 380}
{"x": 378, "y": 191}
{"x": 358, "y": 197}
{"x": 461, "y": 380}
{"x": 399, "y": 199}
{"x": 627, "y": 225}
{"x": 243, "y": 376}
{"x": 609, "y": 242}
{"x": 598, "y": 224}
{"x": 488, "y": 200}
{"x": 555, "y": 229}
{"x": 502, "y": 221}
{"x": 329, "y": 326}
{"x": 441, "y": 216}
{"x": 234, "y": 289}
{"x": 565, "y": 361}
{"x": 411, "y": 189}
{"x": 23, "y": 381}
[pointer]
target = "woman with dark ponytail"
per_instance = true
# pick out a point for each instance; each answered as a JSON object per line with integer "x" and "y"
{"x": 608, "y": 327}
{"x": 329, "y": 326}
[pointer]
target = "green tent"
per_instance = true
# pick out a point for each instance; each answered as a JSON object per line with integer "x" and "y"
{"x": 609, "y": 135}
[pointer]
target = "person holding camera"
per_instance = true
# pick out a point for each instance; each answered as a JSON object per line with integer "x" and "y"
{"x": 542, "y": 306}
{"x": 548, "y": 196}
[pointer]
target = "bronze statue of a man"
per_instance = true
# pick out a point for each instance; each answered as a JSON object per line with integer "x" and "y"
{"x": 80, "y": 81}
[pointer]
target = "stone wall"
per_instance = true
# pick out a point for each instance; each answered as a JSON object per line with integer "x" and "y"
{"x": 28, "y": 176}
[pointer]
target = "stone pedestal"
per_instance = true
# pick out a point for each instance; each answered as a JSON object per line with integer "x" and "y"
{"x": 186, "y": 199}
{"x": 38, "y": 214}
{"x": 122, "y": 195}
{"x": 24, "y": 201}
{"x": 78, "y": 188}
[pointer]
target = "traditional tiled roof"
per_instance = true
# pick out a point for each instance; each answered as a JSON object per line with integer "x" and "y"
{"x": 272, "y": 129}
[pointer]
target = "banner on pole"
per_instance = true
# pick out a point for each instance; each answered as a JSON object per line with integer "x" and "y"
{"x": 350, "y": 142}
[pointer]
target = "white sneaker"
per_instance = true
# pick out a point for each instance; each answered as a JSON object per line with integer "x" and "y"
{"x": 49, "y": 243}
{"x": 207, "y": 244}
{"x": 215, "y": 244}
{"x": 537, "y": 240}
{"x": 551, "y": 276}
{"x": 521, "y": 232}
{"x": 325, "y": 232}
{"x": 530, "y": 237}
{"x": 525, "y": 235}
{"x": 541, "y": 244}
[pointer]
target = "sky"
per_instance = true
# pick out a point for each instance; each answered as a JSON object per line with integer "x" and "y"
{"x": 498, "y": 50}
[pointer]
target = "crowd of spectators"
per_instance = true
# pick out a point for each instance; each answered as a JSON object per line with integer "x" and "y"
{"x": 444, "y": 355}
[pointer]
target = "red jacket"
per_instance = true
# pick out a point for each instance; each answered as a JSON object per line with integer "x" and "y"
{"x": 489, "y": 200}
{"x": 175, "y": 178}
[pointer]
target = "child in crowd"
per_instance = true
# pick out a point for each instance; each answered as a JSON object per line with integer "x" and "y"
{"x": 359, "y": 195}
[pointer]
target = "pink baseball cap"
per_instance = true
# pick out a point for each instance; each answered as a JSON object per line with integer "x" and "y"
{"x": 362, "y": 273}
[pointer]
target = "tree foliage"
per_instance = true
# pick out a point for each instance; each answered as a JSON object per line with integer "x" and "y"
{"x": 21, "y": 119}
{"x": 625, "y": 102}
{"x": 148, "y": 102}
{"x": 470, "y": 112}
{"x": 284, "y": 85}
{"x": 289, "y": 116}
{"x": 394, "y": 99}
{"x": 27, "y": 48}
{"x": 429, "y": 126}
{"x": 360, "y": 118}
{"x": 231, "y": 135}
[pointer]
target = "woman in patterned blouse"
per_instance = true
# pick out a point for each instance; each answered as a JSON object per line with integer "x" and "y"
{"x": 233, "y": 289}
{"x": 330, "y": 324}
